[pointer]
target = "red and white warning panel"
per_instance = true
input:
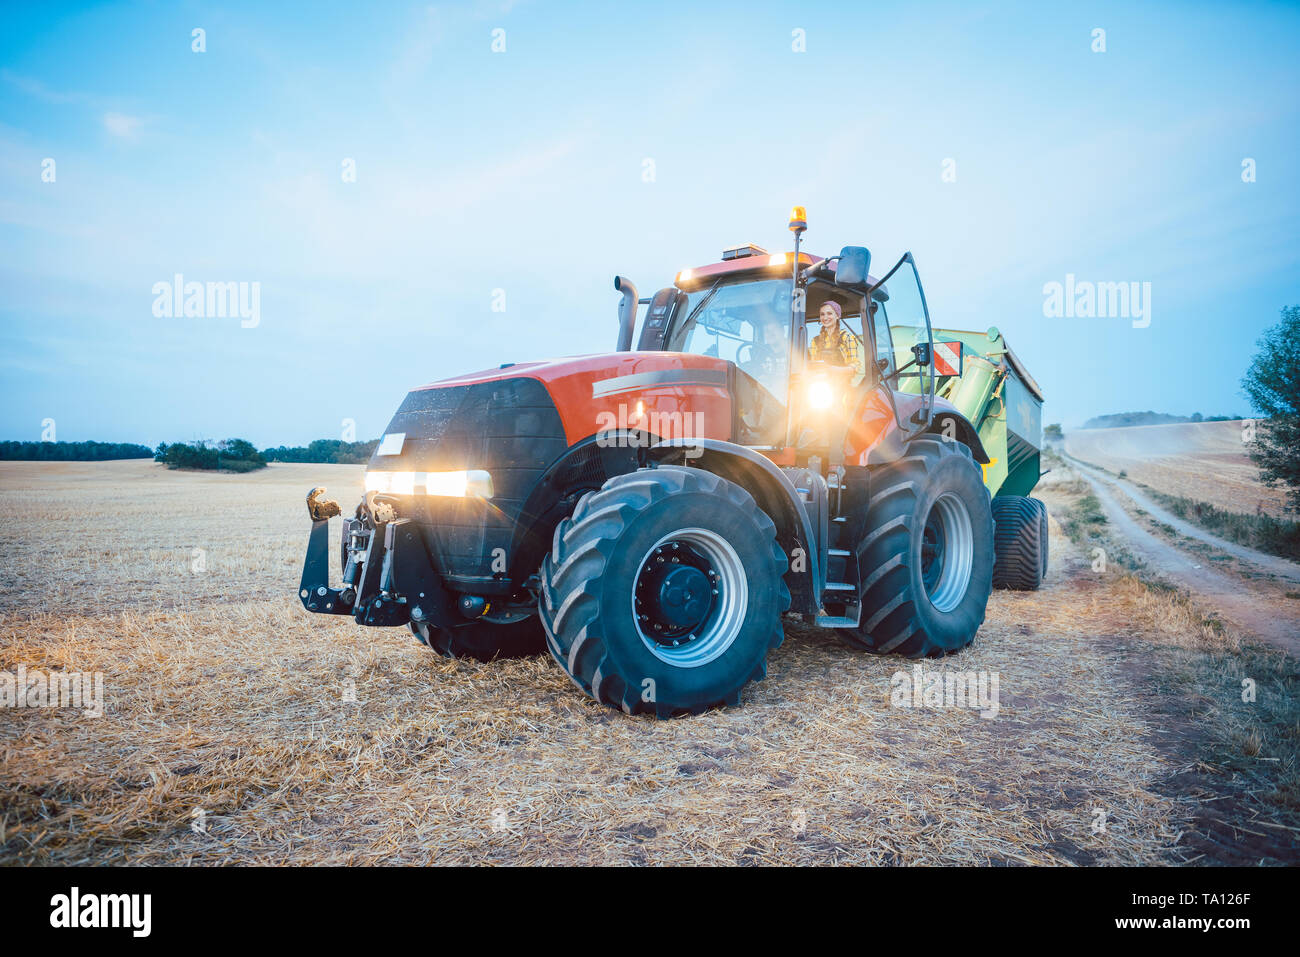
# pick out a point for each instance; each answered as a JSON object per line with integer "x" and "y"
{"x": 947, "y": 358}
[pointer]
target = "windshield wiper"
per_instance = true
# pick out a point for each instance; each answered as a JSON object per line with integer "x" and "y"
{"x": 703, "y": 302}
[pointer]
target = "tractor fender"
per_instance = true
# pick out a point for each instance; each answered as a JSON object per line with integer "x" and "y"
{"x": 585, "y": 465}
{"x": 889, "y": 441}
{"x": 961, "y": 429}
{"x": 773, "y": 492}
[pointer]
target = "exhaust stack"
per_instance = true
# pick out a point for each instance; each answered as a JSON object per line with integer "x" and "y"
{"x": 626, "y": 312}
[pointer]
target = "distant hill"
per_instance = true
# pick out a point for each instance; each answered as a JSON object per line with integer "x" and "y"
{"x": 1119, "y": 420}
{"x": 71, "y": 451}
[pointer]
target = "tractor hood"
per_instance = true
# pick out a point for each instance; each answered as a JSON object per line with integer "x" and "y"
{"x": 594, "y": 366}
{"x": 586, "y": 390}
{"x": 520, "y": 423}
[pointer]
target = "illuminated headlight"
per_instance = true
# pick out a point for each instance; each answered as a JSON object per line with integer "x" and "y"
{"x": 462, "y": 484}
{"x": 820, "y": 395}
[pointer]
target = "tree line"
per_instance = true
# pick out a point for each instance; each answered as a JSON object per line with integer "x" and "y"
{"x": 71, "y": 451}
{"x": 331, "y": 451}
{"x": 229, "y": 455}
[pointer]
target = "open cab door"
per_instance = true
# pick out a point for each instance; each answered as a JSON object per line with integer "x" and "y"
{"x": 901, "y": 297}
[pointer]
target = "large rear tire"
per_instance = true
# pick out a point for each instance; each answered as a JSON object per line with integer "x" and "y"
{"x": 663, "y": 593}
{"x": 924, "y": 544}
{"x": 1020, "y": 542}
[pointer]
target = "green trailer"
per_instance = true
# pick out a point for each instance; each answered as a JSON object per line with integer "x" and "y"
{"x": 995, "y": 391}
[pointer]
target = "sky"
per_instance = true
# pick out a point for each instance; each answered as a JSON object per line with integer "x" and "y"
{"x": 498, "y": 191}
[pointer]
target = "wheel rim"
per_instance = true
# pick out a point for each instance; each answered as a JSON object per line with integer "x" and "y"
{"x": 947, "y": 552}
{"x": 689, "y": 597}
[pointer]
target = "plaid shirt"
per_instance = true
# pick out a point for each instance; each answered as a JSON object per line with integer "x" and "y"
{"x": 846, "y": 352}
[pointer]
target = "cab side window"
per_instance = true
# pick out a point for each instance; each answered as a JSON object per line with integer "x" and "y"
{"x": 884, "y": 341}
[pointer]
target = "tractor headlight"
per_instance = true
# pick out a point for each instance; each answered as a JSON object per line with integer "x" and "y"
{"x": 393, "y": 483}
{"x": 461, "y": 484}
{"x": 820, "y": 394}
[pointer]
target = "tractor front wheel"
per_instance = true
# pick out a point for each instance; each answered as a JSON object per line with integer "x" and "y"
{"x": 663, "y": 593}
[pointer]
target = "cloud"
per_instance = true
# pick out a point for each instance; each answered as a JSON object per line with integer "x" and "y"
{"x": 119, "y": 124}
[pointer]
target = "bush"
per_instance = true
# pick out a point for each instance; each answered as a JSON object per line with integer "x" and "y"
{"x": 231, "y": 455}
{"x": 241, "y": 465}
{"x": 194, "y": 455}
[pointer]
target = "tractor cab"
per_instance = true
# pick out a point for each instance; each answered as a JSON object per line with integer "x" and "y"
{"x": 799, "y": 380}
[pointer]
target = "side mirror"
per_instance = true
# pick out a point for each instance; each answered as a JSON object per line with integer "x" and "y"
{"x": 922, "y": 352}
{"x": 851, "y": 270}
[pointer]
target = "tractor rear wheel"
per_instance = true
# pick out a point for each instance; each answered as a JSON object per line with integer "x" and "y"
{"x": 511, "y": 634}
{"x": 1020, "y": 540}
{"x": 924, "y": 544}
{"x": 663, "y": 593}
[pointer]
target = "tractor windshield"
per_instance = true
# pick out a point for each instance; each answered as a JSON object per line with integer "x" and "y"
{"x": 747, "y": 323}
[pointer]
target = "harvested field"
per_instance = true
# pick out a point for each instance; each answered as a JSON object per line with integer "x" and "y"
{"x": 116, "y": 535}
{"x": 231, "y": 734}
{"x": 1205, "y": 461}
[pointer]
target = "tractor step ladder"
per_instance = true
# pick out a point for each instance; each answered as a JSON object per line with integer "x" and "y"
{"x": 841, "y": 591}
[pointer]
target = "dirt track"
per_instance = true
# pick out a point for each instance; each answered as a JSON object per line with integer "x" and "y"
{"x": 1206, "y": 461}
{"x": 1272, "y": 564}
{"x": 1251, "y": 607}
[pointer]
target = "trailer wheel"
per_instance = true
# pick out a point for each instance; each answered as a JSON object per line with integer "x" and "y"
{"x": 1044, "y": 538}
{"x": 514, "y": 634}
{"x": 663, "y": 593}
{"x": 924, "y": 544}
{"x": 1020, "y": 540}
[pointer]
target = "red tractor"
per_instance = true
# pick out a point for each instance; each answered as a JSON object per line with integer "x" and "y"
{"x": 649, "y": 517}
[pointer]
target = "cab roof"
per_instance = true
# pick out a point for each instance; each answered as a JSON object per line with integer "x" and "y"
{"x": 759, "y": 262}
{"x": 747, "y": 258}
